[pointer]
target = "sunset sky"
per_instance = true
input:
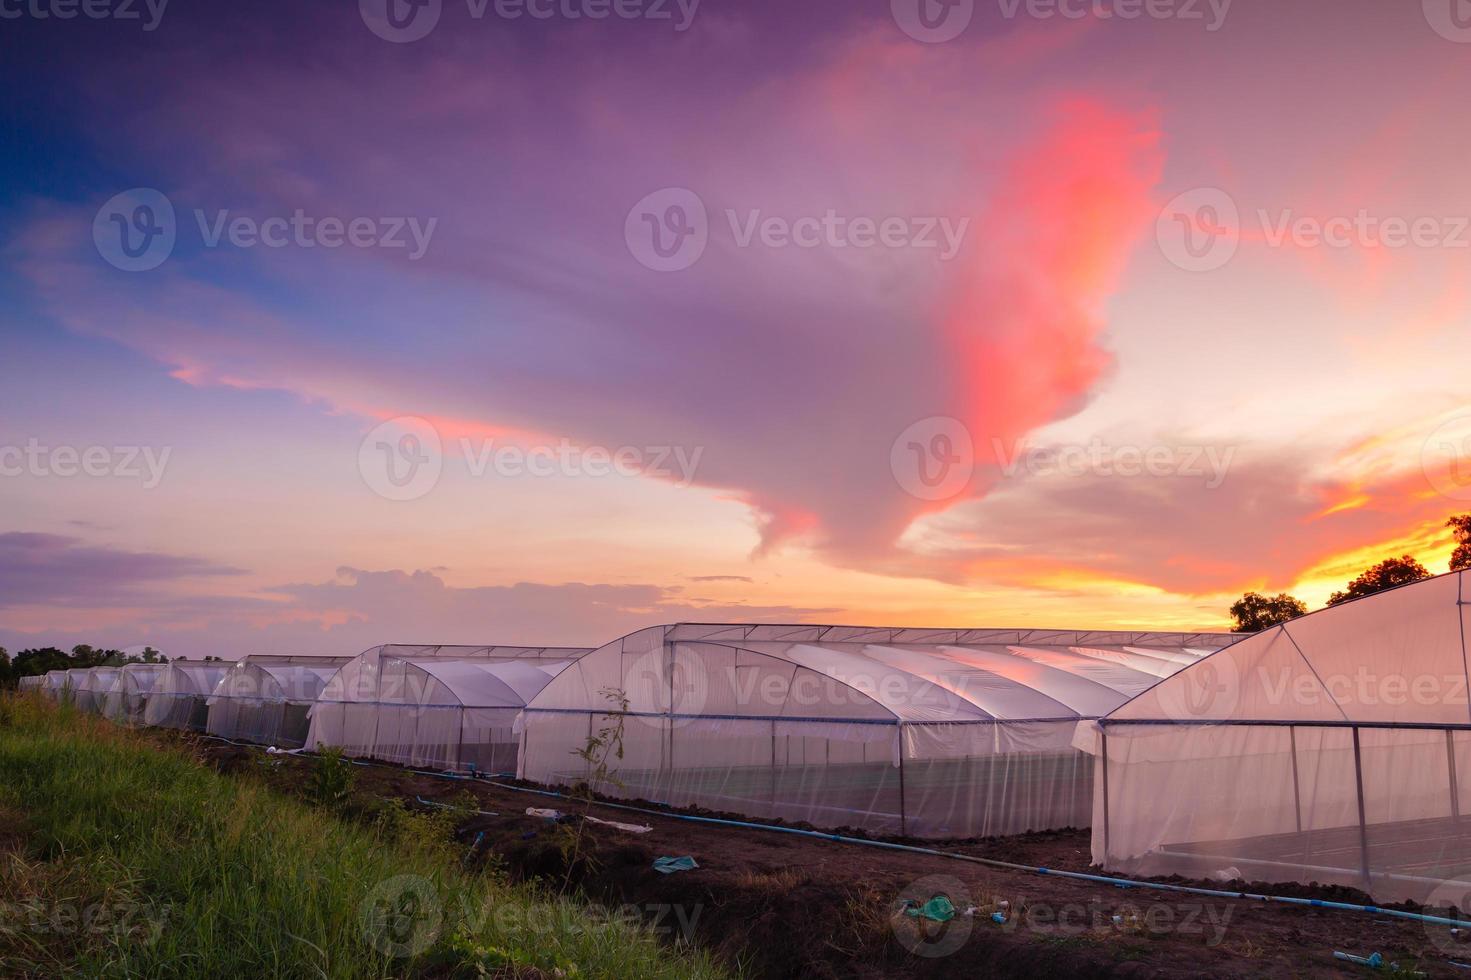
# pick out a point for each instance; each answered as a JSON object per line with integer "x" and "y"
{"x": 1132, "y": 273}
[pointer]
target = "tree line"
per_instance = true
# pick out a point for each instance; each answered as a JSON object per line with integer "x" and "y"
{"x": 41, "y": 660}
{"x": 1254, "y": 611}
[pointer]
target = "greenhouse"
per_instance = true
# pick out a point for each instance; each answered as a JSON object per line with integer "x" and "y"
{"x": 1332, "y": 748}
{"x": 180, "y": 695}
{"x": 265, "y": 699}
{"x": 451, "y": 707}
{"x": 32, "y": 682}
{"x": 56, "y": 683}
{"x": 939, "y": 733}
{"x": 125, "y": 700}
{"x": 91, "y": 685}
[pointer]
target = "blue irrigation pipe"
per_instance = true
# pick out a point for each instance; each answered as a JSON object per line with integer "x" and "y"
{"x": 1316, "y": 903}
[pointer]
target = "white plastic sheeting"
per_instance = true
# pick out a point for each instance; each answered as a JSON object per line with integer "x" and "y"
{"x": 938, "y": 733}
{"x": 445, "y": 707}
{"x": 56, "y": 683}
{"x": 265, "y": 699}
{"x": 180, "y": 695}
{"x": 1335, "y": 748}
{"x": 33, "y": 682}
{"x": 127, "y": 696}
{"x": 91, "y": 685}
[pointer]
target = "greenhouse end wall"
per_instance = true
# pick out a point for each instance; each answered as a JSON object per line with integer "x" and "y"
{"x": 1335, "y": 748}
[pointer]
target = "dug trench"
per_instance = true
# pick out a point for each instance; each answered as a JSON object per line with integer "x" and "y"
{"x": 776, "y": 905}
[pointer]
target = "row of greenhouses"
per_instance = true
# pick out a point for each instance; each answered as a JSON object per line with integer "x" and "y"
{"x": 1332, "y": 748}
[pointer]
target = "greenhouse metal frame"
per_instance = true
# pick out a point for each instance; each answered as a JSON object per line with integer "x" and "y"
{"x": 1333, "y": 748}
{"x": 450, "y": 707}
{"x": 926, "y": 732}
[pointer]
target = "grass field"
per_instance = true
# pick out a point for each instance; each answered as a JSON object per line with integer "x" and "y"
{"x": 122, "y": 858}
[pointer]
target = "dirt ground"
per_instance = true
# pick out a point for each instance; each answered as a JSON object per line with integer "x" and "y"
{"x": 786, "y": 906}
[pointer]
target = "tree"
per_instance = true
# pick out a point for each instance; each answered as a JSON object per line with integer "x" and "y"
{"x": 1460, "y": 526}
{"x": 1254, "y": 611}
{"x": 7, "y": 670}
{"x": 1386, "y": 575}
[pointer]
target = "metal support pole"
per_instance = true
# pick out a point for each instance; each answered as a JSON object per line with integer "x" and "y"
{"x": 903, "y": 818}
{"x": 1103, "y": 749}
{"x": 773, "y": 767}
{"x": 1363, "y": 825}
{"x": 1296, "y": 790}
{"x": 1450, "y": 762}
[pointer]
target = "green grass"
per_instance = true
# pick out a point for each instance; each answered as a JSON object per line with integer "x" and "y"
{"x": 136, "y": 860}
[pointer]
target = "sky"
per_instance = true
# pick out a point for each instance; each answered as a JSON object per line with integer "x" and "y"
{"x": 540, "y": 321}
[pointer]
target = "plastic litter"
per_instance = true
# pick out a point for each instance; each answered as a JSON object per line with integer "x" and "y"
{"x": 937, "y": 909}
{"x": 632, "y": 828}
{"x": 669, "y": 865}
{"x": 1374, "y": 960}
